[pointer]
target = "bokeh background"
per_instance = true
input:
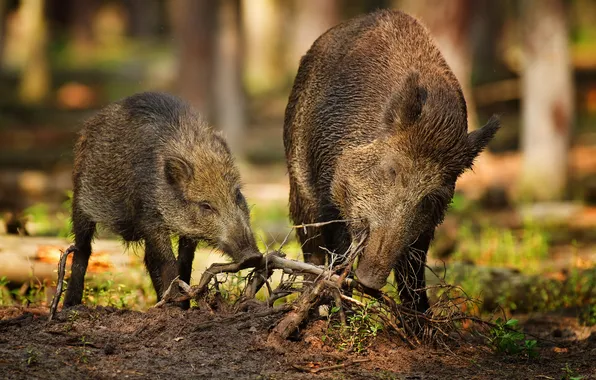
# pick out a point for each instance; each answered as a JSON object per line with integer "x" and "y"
{"x": 525, "y": 215}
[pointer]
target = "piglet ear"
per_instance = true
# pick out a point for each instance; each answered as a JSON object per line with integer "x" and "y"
{"x": 479, "y": 139}
{"x": 178, "y": 171}
{"x": 406, "y": 104}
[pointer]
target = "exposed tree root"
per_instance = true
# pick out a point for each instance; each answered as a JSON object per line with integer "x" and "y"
{"x": 412, "y": 327}
{"x": 321, "y": 285}
{"x": 294, "y": 318}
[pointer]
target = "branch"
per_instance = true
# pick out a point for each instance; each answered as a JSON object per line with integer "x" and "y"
{"x": 60, "y": 280}
{"x": 331, "y": 367}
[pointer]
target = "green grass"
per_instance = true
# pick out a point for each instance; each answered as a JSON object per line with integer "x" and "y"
{"x": 48, "y": 223}
{"x": 527, "y": 250}
{"x": 31, "y": 356}
{"x": 31, "y": 293}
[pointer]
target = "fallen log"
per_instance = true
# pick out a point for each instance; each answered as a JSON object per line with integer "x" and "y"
{"x": 26, "y": 257}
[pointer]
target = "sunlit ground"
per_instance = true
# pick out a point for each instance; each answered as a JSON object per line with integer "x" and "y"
{"x": 521, "y": 270}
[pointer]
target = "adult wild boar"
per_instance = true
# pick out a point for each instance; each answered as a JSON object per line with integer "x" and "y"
{"x": 149, "y": 168}
{"x": 375, "y": 132}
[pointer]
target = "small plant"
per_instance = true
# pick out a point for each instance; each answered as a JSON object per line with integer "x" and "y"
{"x": 231, "y": 287}
{"x": 5, "y": 298}
{"x": 84, "y": 355}
{"x": 570, "y": 374}
{"x": 31, "y": 293}
{"x": 73, "y": 315}
{"x": 505, "y": 338}
{"x": 71, "y": 318}
{"x": 587, "y": 316}
{"x": 357, "y": 334}
{"x": 31, "y": 357}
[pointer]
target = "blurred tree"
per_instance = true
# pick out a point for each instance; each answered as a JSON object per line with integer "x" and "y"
{"x": 81, "y": 27}
{"x": 194, "y": 26}
{"x": 143, "y": 16}
{"x": 262, "y": 27}
{"x": 310, "y": 19}
{"x": 228, "y": 91}
{"x": 2, "y": 25}
{"x": 487, "y": 33}
{"x": 450, "y": 24}
{"x": 35, "y": 79}
{"x": 207, "y": 34}
{"x": 547, "y": 99}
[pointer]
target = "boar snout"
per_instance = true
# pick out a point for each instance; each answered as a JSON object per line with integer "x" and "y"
{"x": 378, "y": 259}
{"x": 239, "y": 243}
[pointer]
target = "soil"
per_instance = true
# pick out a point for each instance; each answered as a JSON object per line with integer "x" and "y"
{"x": 168, "y": 343}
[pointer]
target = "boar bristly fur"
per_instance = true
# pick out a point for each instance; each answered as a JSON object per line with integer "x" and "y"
{"x": 149, "y": 168}
{"x": 375, "y": 132}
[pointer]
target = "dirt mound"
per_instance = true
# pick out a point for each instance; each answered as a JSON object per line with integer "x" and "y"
{"x": 170, "y": 343}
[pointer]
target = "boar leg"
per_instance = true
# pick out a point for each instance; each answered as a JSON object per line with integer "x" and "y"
{"x": 310, "y": 238}
{"x": 84, "y": 229}
{"x": 409, "y": 275}
{"x": 186, "y": 254}
{"x": 337, "y": 240}
{"x": 311, "y": 242}
{"x": 160, "y": 262}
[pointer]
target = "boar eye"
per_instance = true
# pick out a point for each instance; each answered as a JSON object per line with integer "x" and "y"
{"x": 239, "y": 198}
{"x": 392, "y": 174}
{"x": 206, "y": 207}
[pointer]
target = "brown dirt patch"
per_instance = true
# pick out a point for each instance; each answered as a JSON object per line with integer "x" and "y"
{"x": 102, "y": 343}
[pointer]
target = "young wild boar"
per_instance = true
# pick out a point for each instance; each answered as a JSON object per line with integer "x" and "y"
{"x": 149, "y": 168}
{"x": 375, "y": 132}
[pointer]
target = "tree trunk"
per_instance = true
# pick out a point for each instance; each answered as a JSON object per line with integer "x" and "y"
{"x": 450, "y": 23}
{"x": 143, "y": 19}
{"x": 194, "y": 24}
{"x": 3, "y": 6}
{"x": 547, "y": 100}
{"x": 81, "y": 29}
{"x": 35, "y": 79}
{"x": 262, "y": 36}
{"x": 228, "y": 91}
{"x": 311, "y": 18}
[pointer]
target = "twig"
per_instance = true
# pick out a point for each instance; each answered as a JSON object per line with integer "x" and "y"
{"x": 321, "y": 224}
{"x": 337, "y": 297}
{"x": 190, "y": 292}
{"x": 60, "y": 280}
{"x": 410, "y": 325}
{"x": 271, "y": 261}
{"x": 295, "y": 317}
{"x": 261, "y": 276}
{"x": 331, "y": 367}
{"x": 279, "y": 294}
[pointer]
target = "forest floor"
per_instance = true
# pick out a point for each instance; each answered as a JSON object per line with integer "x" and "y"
{"x": 102, "y": 342}
{"x": 106, "y": 342}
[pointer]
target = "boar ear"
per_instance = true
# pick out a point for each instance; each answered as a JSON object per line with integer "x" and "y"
{"x": 177, "y": 170}
{"x": 219, "y": 136}
{"x": 406, "y": 105}
{"x": 479, "y": 139}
